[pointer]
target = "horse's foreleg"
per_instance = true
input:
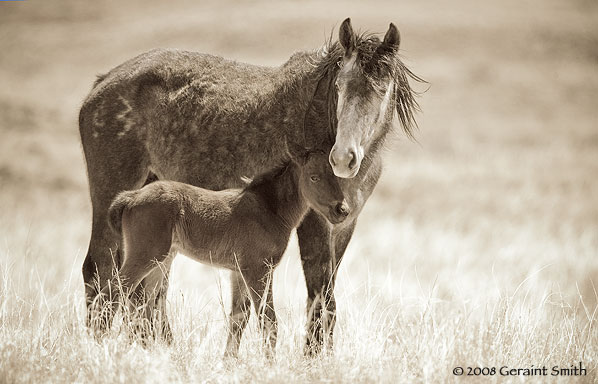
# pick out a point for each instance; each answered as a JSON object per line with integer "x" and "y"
{"x": 321, "y": 254}
{"x": 239, "y": 314}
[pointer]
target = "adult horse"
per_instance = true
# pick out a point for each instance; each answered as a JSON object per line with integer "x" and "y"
{"x": 207, "y": 121}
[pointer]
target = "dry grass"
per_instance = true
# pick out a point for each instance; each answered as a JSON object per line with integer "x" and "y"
{"x": 478, "y": 248}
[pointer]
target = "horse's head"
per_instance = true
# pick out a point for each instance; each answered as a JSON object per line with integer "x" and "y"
{"x": 371, "y": 83}
{"x": 321, "y": 187}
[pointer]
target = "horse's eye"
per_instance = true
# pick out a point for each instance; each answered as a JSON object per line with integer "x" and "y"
{"x": 314, "y": 178}
{"x": 336, "y": 87}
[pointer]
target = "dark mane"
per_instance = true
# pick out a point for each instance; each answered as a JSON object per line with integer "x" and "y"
{"x": 280, "y": 169}
{"x": 377, "y": 67}
{"x": 278, "y": 190}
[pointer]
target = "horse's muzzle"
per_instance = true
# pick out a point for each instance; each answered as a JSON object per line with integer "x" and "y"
{"x": 345, "y": 163}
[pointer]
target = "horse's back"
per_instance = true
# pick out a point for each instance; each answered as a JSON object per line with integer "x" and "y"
{"x": 172, "y": 69}
{"x": 164, "y": 95}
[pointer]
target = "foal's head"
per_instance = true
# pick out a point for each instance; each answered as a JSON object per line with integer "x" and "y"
{"x": 320, "y": 187}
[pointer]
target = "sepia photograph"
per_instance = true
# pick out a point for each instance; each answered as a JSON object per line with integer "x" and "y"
{"x": 298, "y": 191}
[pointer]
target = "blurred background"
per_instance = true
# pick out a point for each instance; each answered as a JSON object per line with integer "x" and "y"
{"x": 498, "y": 196}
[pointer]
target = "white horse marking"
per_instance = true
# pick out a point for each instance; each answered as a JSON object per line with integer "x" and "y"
{"x": 128, "y": 122}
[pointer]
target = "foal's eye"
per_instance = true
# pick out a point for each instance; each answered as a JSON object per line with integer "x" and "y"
{"x": 314, "y": 178}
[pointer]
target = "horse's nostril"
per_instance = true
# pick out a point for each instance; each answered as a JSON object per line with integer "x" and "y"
{"x": 332, "y": 161}
{"x": 353, "y": 161}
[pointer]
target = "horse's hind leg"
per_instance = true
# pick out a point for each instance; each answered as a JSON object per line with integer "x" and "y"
{"x": 115, "y": 162}
{"x": 108, "y": 175}
{"x": 239, "y": 314}
{"x": 105, "y": 306}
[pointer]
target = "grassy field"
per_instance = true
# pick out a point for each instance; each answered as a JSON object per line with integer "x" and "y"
{"x": 479, "y": 247}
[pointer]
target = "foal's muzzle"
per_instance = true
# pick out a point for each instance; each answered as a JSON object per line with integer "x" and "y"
{"x": 339, "y": 212}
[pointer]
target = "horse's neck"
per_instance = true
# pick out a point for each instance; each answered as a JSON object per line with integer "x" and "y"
{"x": 320, "y": 115}
{"x": 301, "y": 100}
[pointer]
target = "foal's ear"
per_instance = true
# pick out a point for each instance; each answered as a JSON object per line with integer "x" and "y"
{"x": 297, "y": 152}
{"x": 346, "y": 36}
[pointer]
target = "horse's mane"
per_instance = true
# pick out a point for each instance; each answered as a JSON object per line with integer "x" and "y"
{"x": 377, "y": 65}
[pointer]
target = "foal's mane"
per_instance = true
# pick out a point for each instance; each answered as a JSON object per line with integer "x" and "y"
{"x": 377, "y": 65}
{"x": 268, "y": 176}
{"x": 280, "y": 169}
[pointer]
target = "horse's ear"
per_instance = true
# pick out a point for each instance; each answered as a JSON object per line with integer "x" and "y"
{"x": 392, "y": 37}
{"x": 390, "y": 44}
{"x": 346, "y": 36}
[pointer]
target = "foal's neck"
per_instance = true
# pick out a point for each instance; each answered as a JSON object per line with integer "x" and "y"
{"x": 281, "y": 194}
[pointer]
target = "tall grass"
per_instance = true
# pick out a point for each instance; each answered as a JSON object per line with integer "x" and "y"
{"x": 378, "y": 337}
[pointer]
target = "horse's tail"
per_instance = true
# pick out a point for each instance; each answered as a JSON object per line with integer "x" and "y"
{"x": 115, "y": 212}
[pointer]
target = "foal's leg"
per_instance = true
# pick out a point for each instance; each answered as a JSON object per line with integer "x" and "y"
{"x": 148, "y": 303}
{"x": 256, "y": 287}
{"x": 109, "y": 299}
{"x": 239, "y": 314}
{"x": 147, "y": 237}
{"x": 321, "y": 254}
{"x": 260, "y": 290}
{"x": 150, "y": 296}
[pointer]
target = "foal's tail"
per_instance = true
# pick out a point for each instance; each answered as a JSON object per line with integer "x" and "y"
{"x": 115, "y": 212}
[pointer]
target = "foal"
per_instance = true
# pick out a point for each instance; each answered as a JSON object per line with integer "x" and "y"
{"x": 245, "y": 230}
